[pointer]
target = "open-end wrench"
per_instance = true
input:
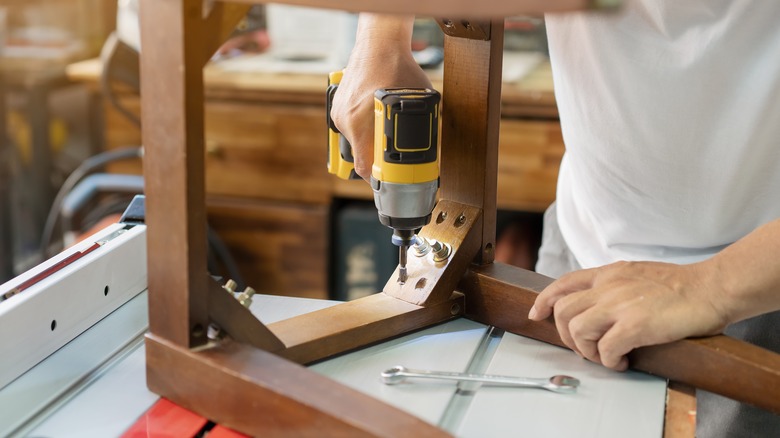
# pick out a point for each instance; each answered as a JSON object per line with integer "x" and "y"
{"x": 557, "y": 383}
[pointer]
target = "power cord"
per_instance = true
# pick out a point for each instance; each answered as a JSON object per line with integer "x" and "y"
{"x": 87, "y": 166}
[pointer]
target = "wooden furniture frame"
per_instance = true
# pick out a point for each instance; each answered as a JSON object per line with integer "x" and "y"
{"x": 254, "y": 380}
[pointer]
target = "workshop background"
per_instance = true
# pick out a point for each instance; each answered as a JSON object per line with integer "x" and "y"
{"x": 70, "y": 143}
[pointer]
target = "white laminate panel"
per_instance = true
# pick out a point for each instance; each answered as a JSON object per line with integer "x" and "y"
{"x": 111, "y": 402}
{"x": 65, "y": 371}
{"x": 107, "y": 407}
{"x": 62, "y": 305}
{"x": 447, "y": 347}
{"x": 272, "y": 308}
{"x": 607, "y": 404}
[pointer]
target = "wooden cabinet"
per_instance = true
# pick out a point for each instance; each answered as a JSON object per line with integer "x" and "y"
{"x": 269, "y": 194}
{"x": 267, "y": 151}
{"x": 530, "y": 152}
{"x": 278, "y": 247}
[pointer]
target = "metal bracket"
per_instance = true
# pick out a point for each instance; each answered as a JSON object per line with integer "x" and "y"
{"x": 464, "y": 28}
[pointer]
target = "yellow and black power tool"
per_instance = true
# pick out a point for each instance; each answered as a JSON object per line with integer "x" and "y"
{"x": 405, "y": 174}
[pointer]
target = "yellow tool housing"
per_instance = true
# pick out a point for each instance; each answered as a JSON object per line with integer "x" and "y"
{"x": 406, "y": 133}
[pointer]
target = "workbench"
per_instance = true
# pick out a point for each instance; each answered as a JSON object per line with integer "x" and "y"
{"x": 95, "y": 385}
{"x": 269, "y": 194}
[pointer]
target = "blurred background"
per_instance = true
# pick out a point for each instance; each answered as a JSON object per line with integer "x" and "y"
{"x": 71, "y": 149}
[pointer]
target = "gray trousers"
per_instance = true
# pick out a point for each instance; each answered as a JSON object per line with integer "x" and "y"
{"x": 716, "y": 416}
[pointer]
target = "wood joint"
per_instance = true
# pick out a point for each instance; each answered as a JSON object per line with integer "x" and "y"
{"x": 238, "y": 322}
{"x": 431, "y": 281}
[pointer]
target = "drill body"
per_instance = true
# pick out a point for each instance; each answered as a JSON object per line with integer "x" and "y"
{"x": 405, "y": 174}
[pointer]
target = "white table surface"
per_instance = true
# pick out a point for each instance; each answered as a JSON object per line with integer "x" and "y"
{"x": 608, "y": 404}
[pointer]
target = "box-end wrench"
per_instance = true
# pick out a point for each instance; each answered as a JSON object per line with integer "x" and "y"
{"x": 557, "y": 383}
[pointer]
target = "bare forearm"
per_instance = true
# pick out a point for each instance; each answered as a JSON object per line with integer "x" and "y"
{"x": 377, "y": 27}
{"x": 382, "y": 58}
{"x": 749, "y": 274}
{"x": 382, "y": 39}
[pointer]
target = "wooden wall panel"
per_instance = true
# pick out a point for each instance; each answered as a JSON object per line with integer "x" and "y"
{"x": 274, "y": 152}
{"x": 530, "y": 153}
{"x": 267, "y": 151}
{"x": 280, "y": 249}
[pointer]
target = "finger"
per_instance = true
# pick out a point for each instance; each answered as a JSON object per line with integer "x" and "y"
{"x": 587, "y": 329}
{"x": 569, "y": 283}
{"x": 363, "y": 154}
{"x": 361, "y": 139}
{"x": 566, "y": 309}
{"x": 615, "y": 344}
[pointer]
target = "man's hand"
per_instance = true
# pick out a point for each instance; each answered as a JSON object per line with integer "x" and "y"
{"x": 604, "y": 313}
{"x": 381, "y": 58}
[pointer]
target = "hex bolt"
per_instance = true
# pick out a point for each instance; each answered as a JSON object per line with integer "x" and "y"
{"x": 230, "y": 285}
{"x": 441, "y": 251}
{"x": 245, "y": 298}
{"x": 421, "y": 246}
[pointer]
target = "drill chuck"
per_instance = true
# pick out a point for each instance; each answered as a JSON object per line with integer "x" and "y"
{"x": 404, "y": 206}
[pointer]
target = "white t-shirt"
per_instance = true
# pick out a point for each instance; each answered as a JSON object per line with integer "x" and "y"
{"x": 671, "y": 117}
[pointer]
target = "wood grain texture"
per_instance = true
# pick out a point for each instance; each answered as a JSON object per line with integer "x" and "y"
{"x": 238, "y": 322}
{"x": 502, "y": 295}
{"x": 172, "y": 119}
{"x": 532, "y": 96}
{"x": 280, "y": 248}
{"x": 260, "y": 151}
{"x": 471, "y": 112}
{"x": 680, "y": 417}
{"x": 431, "y": 282}
{"x": 530, "y": 153}
{"x": 455, "y": 8}
{"x": 324, "y": 333}
{"x": 260, "y": 394}
{"x": 272, "y": 152}
{"x": 718, "y": 364}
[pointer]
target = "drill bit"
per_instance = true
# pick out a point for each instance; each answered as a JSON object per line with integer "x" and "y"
{"x": 402, "y": 275}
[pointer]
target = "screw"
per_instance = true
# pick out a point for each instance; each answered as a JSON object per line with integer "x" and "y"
{"x": 460, "y": 220}
{"x": 214, "y": 332}
{"x": 447, "y": 22}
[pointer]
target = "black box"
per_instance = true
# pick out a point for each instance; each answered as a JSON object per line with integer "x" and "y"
{"x": 364, "y": 257}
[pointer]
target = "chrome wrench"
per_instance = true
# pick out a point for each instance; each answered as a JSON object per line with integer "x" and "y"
{"x": 557, "y": 383}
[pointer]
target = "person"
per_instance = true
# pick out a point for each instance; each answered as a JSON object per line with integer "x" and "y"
{"x": 666, "y": 223}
